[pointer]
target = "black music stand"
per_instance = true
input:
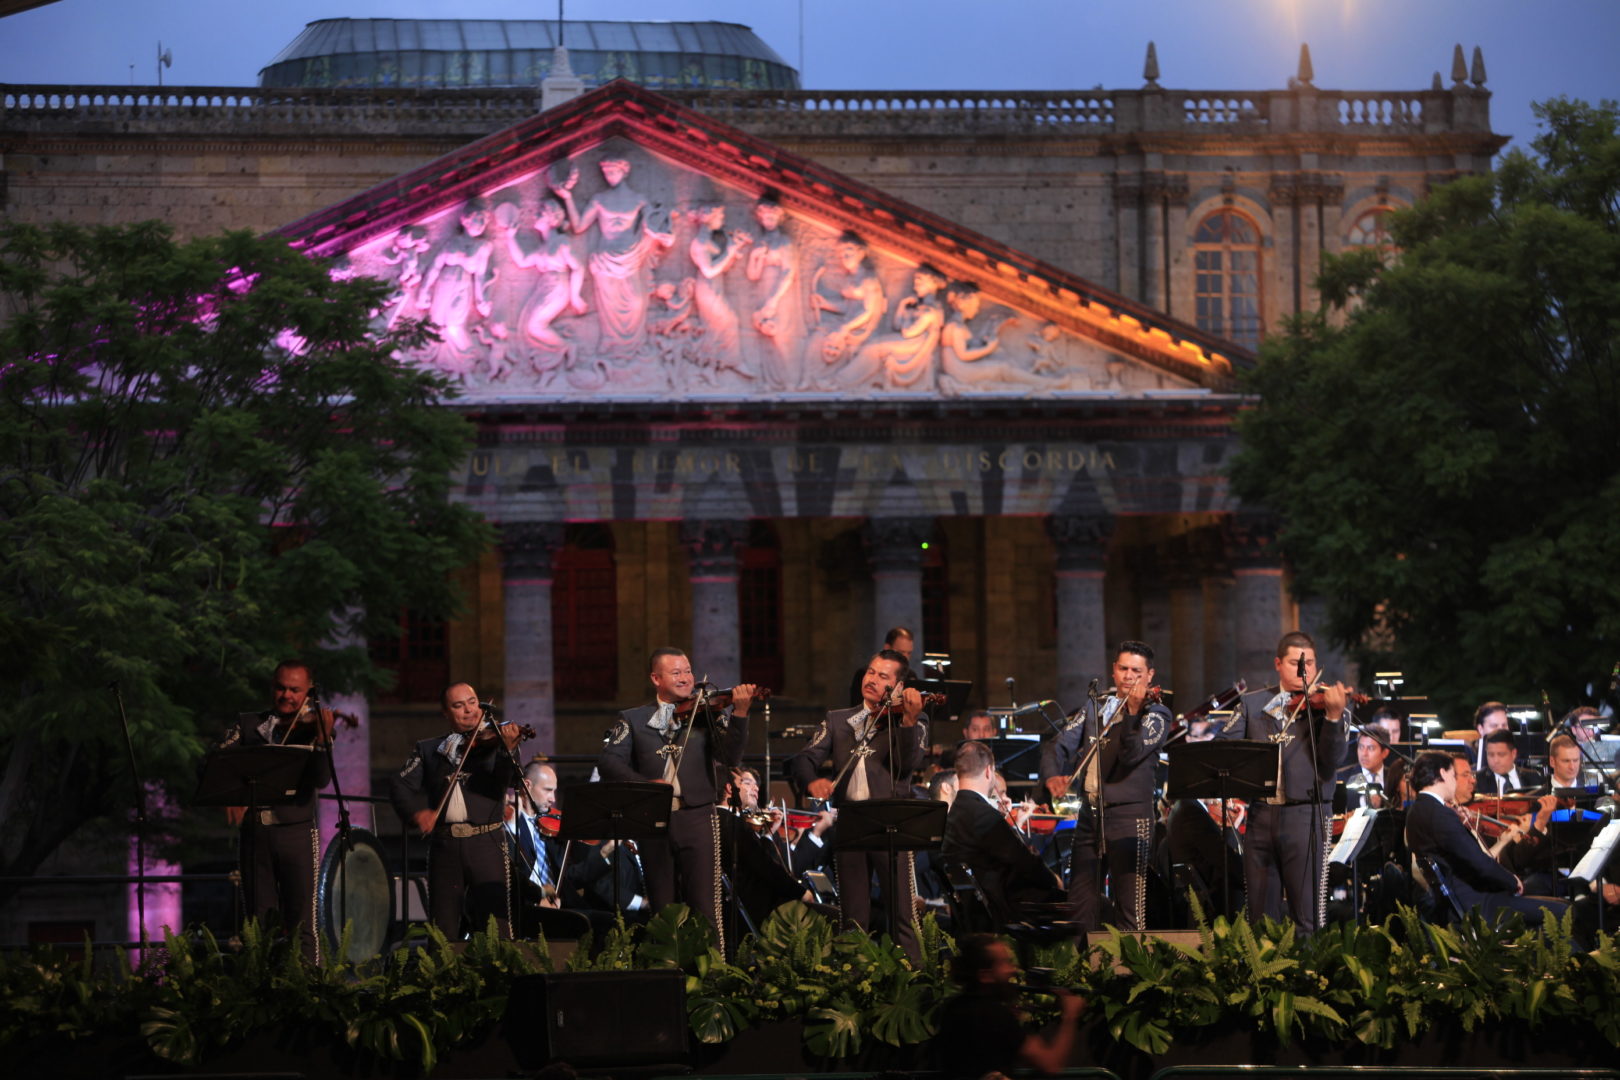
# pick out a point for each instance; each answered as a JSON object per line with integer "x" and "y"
{"x": 253, "y": 776}
{"x": 955, "y": 690}
{"x": 616, "y": 810}
{"x": 1224, "y": 769}
{"x": 891, "y": 826}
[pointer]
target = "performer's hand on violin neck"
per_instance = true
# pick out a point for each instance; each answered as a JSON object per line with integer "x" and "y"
{"x": 1334, "y": 699}
{"x": 911, "y": 703}
{"x": 742, "y": 696}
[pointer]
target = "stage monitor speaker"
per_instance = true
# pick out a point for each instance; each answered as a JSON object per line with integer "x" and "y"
{"x": 597, "y": 1018}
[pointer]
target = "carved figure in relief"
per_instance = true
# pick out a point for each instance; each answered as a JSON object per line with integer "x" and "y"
{"x": 627, "y": 243}
{"x": 1043, "y": 343}
{"x": 714, "y": 251}
{"x": 773, "y": 263}
{"x": 964, "y": 348}
{"x": 904, "y": 359}
{"x": 1113, "y": 376}
{"x": 560, "y": 277}
{"x": 846, "y": 303}
{"x": 405, "y": 251}
{"x": 456, "y": 285}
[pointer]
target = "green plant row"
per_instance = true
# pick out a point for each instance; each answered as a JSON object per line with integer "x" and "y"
{"x": 1376, "y": 985}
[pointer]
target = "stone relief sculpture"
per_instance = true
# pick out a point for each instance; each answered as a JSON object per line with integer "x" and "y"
{"x": 773, "y": 263}
{"x": 846, "y": 302}
{"x": 559, "y": 277}
{"x": 455, "y": 287}
{"x": 628, "y": 241}
{"x": 963, "y": 366}
{"x": 904, "y": 359}
{"x": 714, "y": 251}
{"x": 549, "y": 287}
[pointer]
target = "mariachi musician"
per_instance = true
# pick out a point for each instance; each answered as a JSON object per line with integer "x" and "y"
{"x": 279, "y": 846}
{"x": 1285, "y": 848}
{"x": 453, "y": 789}
{"x": 873, "y": 749}
{"x": 674, "y": 742}
{"x": 1107, "y": 753}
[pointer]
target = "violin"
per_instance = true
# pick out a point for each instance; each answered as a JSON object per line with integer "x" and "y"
{"x": 890, "y": 704}
{"x": 716, "y": 699}
{"x": 490, "y": 732}
{"x": 1318, "y": 699}
{"x": 549, "y": 823}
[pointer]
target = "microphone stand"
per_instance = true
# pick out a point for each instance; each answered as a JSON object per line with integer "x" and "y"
{"x": 489, "y": 711}
{"x": 345, "y": 841}
{"x": 140, "y": 816}
{"x": 1318, "y": 836}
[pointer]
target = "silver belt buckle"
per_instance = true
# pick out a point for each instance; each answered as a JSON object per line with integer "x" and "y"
{"x": 267, "y": 817}
{"x": 461, "y": 830}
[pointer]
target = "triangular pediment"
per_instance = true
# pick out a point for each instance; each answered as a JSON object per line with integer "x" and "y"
{"x": 622, "y": 246}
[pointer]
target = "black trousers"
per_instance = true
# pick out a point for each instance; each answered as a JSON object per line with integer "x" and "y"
{"x": 1285, "y": 854}
{"x": 279, "y": 863}
{"x": 468, "y": 875}
{"x": 1125, "y": 863}
{"x": 686, "y": 865}
{"x": 855, "y": 871}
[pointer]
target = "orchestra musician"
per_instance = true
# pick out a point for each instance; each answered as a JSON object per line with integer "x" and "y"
{"x": 1285, "y": 847}
{"x": 279, "y": 846}
{"x": 979, "y": 837}
{"x": 760, "y": 876}
{"x": 1128, "y": 729}
{"x": 1506, "y": 774}
{"x": 873, "y": 750}
{"x": 1434, "y": 831}
{"x": 1380, "y": 772}
{"x": 667, "y": 744}
{"x": 453, "y": 789}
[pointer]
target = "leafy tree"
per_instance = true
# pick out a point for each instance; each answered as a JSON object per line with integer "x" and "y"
{"x": 205, "y": 452}
{"x": 1442, "y": 443}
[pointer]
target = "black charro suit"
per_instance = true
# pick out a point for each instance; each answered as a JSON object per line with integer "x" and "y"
{"x": 896, "y": 752}
{"x": 690, "y": 857}
{"x": 468, "y": 870}
{"x": 978, "y": 837}
{"x": 1478, "y": 881}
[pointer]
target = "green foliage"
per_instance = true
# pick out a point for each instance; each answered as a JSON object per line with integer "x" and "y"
{"x": 1442, "y": 443}
{"x": 206, "y": 450}
{"x": 1379, "y": 985}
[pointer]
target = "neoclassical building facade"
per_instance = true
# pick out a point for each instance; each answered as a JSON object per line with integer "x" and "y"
{"x": 761, "y": 373}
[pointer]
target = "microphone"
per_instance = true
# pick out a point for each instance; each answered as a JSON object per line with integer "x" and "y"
{"x": 1300, "y": 671}
{"x": 1032, "y": 707}
{"x": 1091, "y": 691}
{"x": 1012, "y": 690}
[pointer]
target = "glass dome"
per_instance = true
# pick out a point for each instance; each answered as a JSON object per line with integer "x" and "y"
{"x": 431, "y": 53}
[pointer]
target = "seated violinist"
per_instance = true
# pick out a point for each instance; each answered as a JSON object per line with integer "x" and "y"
{"x": 1434, "y": 831}
{"x": 751, "y": 858}
{"x": 674, "y": 742}
{"x": 979, "y": 838}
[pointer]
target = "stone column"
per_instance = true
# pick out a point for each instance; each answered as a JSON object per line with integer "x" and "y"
{"x": 712, "y": 548}
{"x": 1081, "y": 543}
{"x": 1261, "y": 607}
{"x": 1220, "y": 640}
{"x": 530, "y": 693}
{"x": 1182, "y": 573}
{"x": 894, "y": 552}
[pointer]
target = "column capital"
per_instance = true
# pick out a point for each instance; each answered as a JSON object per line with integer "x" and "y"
{"x": 712, "y": 546}
{"x": 895, "y": 544}
{"x": 1080, "y": 540}
{"x": 1251, "y": 542}
{"x": 527, "y": 547}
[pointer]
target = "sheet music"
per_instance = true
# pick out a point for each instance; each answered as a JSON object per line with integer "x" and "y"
{"x": 1357, "y": 828}
{"x": 1591, "y": 864}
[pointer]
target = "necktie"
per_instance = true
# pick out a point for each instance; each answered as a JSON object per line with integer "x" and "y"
{"x": 666, "y": 713}
{"x": 536, "y": 853}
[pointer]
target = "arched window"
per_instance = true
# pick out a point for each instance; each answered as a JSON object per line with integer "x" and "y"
{"x": 1229, "y": 301}
{"x": 585, "y": 615}
{"x": 1371, "y": 229}
{"x": 759, "y": 606}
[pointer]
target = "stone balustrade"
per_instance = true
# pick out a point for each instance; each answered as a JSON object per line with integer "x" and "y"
{"x": 840, "y": 113}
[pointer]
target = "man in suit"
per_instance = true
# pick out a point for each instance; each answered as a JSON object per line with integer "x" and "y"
{"x": 1379, "y": 773}
{"x": 1285, "y": 848}
{"x": 654, "y": 742}
{"x": 1119, "y": 777}
{"x": 1215, "y": 853}
{"x": 873, "y": 750}
{"x": 1433, "y": 830}
{"x": 899, "y": 639}
{"x": 1502, "y": 758}
{"x": 978, "y": 837}
{"x": 468, "y": 854}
